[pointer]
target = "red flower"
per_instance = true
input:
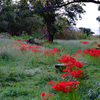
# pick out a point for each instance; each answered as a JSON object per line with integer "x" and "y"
{"x": 77, "y": 74}
{"x": 98, "y": 45}
{"x": 43, "y": 94}
{"x": 49, "y": 95}
{"x": 35, "y": 50}
{"x": 85, "y": 42}
{"x": 23, "y": 48}
{"x": 64, "y": 75}
{"x": 51, "y": 82}
{"x": 65, "y": 86}
{"x": 44, "y": 98}
{"x": 66, "y": 69}
{"x": 41, "y": 42}
{"x": 48, "y": 41}
{"x": 78, "y": 64}
{"x": 94, "y": 42}
{"x": 67, "y": 59}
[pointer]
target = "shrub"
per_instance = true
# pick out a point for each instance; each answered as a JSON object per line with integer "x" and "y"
{"x": 71, "y": 34}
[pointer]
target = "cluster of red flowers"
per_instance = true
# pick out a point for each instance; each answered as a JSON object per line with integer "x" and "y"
{"x": 93, "y": 52}
{"x": 98, "y": 45}
{"x": 44, "y": 42}
{"x": 51, "y": 51}
{"x": 44, "y": 94}
{"x": 73, "y": 70}
{"x": 17, "y": 39}
{"x": 94, "y": 42}
{"x": 72, "y": 63}
{"x": 85, "y": 42}
{"x": 75, "y": 73}
{"x": 66, "y": 86}
{"x": 26, "y": 46}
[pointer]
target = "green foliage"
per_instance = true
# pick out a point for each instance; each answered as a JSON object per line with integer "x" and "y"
{"x": 49, "y": 15}
{"x": 69, "y": 34}
{"x": 86, "y": 30}
{"x": 94, "y": 94}
{"x": 73, "y": 12}
{"x": 98, "y": 18}
{"x": 16, "y": 18}
{"x": 25, "y": 36}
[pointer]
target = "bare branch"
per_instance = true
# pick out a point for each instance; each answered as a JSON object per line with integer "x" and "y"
{"x": 74, "y": 1}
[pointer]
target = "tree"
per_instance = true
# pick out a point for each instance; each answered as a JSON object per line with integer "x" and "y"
{"x": 48, "y": 8}
{"x": 16, "y": 18}
{"x": 86, "y": 30}
{"x": 98, "y": 18}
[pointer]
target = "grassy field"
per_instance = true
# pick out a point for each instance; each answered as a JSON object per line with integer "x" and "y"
{"x": 24, "y": 75}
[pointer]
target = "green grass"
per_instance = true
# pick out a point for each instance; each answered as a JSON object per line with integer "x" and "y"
{"x": 24, "y": 75}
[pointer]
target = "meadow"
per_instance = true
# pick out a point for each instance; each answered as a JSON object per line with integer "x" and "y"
{"x": 27, "y": 70}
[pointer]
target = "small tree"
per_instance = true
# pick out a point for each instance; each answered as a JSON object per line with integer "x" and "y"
{"x": 86, "y": 30}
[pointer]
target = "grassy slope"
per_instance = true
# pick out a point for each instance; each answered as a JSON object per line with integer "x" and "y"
{"x": 25, "y": 75}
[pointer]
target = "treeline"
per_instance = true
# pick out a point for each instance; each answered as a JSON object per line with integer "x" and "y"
{"x": 17, "y": 18}
{"x": 22, "y": 18}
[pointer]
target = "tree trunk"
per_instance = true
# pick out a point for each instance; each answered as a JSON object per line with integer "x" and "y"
{"x": 49, "y": 30}
{"x": 49, "y": 25}
{"x": 50, "y": 38}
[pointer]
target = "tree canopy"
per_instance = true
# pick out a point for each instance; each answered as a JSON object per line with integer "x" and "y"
{"x": 47, "y": 8}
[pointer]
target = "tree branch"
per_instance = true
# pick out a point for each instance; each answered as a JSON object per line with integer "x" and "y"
{"x": 74, "y": 1}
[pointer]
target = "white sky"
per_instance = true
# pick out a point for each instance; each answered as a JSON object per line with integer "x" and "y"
{"x": 89, "y": 18}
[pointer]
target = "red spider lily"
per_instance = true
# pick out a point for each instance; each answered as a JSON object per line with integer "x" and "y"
{"x": 85, "y": 42}
{"x": 35, "y": 50}
{"x": 94, "y": 42}
{"x": 17, "y": 39}
{"x": 44, "y": 98}
{"x": 23, "y": 48}
{"x": 78, "y": 64}
{"x": 24, "y": 44}
{"x": 77, "y": 73}
{"x": 38, "y": 47}
{"x": 41, "y": 42}
{"x": 43, "y": 94}
{"x": 49, "y": 95}
{"x": 46, "y": 95}
{"x": 74, "y": 73}
{"x": 98, "y": 45}
{"x": 52, "y": 51}
{"x": 92, "y": 52}
{"x": 64, "y": 75}
{"x": 48, "y": 41}
{"x": 51, "y": 82}
{"x": 67, "y": 69}
{"x": 66, "y": 59}
{"x": 78, "y": 51}
{"x": 66, "y": 86}
{"x": 80, "y": 41}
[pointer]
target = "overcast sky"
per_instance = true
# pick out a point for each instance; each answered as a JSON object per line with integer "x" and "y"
{"x": 89, "y": 18}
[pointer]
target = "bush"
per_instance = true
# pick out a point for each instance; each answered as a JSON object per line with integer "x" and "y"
{"x": 71, "y": 34}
